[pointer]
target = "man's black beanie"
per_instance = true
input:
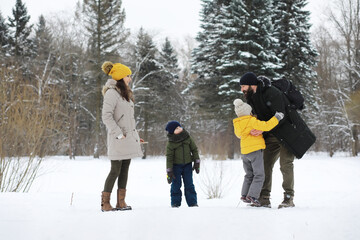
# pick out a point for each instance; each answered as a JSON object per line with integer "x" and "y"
{"x": 249, "y": 78}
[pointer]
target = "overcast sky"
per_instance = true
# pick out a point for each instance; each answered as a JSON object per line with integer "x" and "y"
{"x": 173, "y": 18}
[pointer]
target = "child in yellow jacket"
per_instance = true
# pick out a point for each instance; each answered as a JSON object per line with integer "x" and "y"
{"x": 252, "y": 149}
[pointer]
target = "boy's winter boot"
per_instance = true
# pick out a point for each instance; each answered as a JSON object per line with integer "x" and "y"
{"x": 121, "y": 204}
{"x": 288, "y": 201}
{"x": 105, "y": 202}
{"x": 265, "y": 201}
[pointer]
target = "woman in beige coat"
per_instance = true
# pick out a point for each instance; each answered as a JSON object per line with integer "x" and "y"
{"x": 123, "y": 141}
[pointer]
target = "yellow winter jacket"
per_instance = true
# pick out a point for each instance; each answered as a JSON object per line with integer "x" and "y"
{"x": 242, "y": 127}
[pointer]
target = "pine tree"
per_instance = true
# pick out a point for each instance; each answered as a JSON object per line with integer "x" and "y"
{"x": 206, "y": 64}
{"x": 189, "y": 117}
{"x": 248, "y": 45}
{"x": 292, "y": 30}
{"x": 43, "y": 39}
{"x": 43, "y": 59}
{"x": 209, "y": 48}
{"x": 205, "y": 56}
{"x": 169, "y": 59}
{"x": 4, "y": 37}
{"x": 145, "y": 79}
{"x": 236, "y": 37}
{"x": 258, "y": 53}
{"x": 20, "y": 42}
{"x": 104, "y": 22}
{"x": 161, "y": 101}
{"x": 233, "y": 21}
{"x": 167, "y": 84}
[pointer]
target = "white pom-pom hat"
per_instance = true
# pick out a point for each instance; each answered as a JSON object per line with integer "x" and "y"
{"x": 242, "y": 108}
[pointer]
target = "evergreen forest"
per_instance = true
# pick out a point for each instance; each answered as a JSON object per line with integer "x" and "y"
{"x": 51, "y": 78}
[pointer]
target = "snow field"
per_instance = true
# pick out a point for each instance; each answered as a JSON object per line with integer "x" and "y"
{"x": 64, "y": 203}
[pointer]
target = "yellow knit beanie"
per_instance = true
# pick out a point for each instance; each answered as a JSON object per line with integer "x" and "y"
{"x": 117, "y": 70}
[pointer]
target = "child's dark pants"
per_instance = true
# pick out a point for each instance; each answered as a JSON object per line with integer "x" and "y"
{"x": 184, "y": 171}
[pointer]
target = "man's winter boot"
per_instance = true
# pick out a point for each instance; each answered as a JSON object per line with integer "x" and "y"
{"x": 265, "y": 201}
{"x": 288, "y": 201}
{"x": 121, "y": 204}
{"x": 105, "y": 202}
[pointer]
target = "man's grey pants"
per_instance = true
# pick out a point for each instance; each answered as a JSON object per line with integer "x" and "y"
{"x": 254, "y": 174}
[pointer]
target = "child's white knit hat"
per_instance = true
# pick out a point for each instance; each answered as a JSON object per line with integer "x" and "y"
{"x": 242, "y": 108}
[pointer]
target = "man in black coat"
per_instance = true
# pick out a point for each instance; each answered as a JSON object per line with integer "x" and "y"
{"x": 290, "y": 139}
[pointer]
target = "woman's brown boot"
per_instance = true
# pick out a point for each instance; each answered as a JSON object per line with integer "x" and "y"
{"x": 105, "y": 202}
{"x": 121, "y": 204}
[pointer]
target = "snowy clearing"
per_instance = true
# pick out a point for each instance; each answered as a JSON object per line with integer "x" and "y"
{"x": 64, "y": 203}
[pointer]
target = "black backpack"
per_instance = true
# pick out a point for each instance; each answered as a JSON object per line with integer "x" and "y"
{"x": 288, "y": 88}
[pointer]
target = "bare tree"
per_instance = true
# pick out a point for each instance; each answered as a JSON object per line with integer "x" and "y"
{"x": 353, "y": 109}
{"x": 347, "y": 24}
{"x": 26, "y": 127}
{"x": 215, "y": 179}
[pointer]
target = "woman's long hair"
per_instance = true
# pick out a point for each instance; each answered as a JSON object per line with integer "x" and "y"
{"x": 124, "y": 90}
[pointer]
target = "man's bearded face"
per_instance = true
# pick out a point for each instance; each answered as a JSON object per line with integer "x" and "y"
{"x": 248, "y": 92}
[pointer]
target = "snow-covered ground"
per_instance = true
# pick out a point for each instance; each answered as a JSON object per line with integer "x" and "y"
{"x": 64, "y": 203}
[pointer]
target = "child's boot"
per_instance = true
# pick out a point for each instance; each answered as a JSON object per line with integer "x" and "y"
{"x": 254, "y": 201}
{"x": 245, "y": 199}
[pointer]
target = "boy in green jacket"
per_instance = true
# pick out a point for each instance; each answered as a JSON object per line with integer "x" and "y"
{"x": 181, "y": 151}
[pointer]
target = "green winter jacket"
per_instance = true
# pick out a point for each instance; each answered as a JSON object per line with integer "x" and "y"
{"x": 180, "y": 149}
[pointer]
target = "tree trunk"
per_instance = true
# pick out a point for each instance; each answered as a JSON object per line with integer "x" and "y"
{"x": 97, "y": 121}
{"x": 146, "y": 129}
{"x": 231, "y": 143}
{"x": 355, "y": 146}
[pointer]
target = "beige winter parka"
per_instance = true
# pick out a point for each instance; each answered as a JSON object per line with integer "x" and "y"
{"x": 118, "y": 117}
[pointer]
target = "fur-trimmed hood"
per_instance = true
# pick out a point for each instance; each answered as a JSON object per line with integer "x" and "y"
{"x": 111, "y": 83}
{"x": 264, "y": 81}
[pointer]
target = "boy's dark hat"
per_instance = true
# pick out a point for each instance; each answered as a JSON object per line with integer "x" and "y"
{"x": 171, "y": 126}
